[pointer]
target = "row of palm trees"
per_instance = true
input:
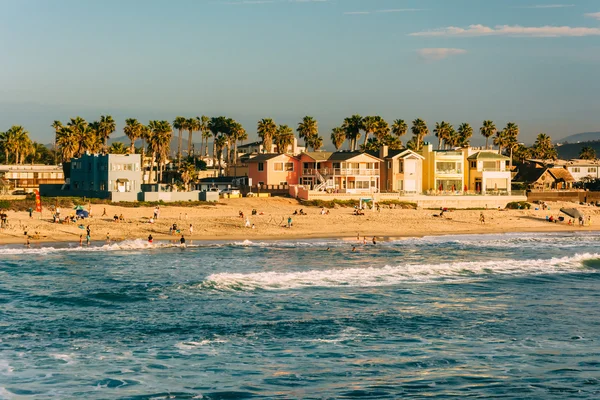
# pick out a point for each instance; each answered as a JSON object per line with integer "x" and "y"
{"x": 18, "y": 148}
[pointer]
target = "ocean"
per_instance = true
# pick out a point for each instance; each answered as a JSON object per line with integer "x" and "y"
{"x": 514, "y": 316}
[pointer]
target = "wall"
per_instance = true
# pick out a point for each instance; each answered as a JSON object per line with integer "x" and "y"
{"x": 171, "y": 196}
{"x": 271, "y": 177}
{"x": 125, "y": 196}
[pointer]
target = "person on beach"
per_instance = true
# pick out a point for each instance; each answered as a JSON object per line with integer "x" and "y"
{"x": 353, "y": 248}
{"x": 248, "y": 224}
{"x": 374, "y": 240}
{"x": 289, "y": 225}
{"x": 27, "y": 243}
{"x": 30, "y": 213}
{"x": 88, "y": 239}
{"x": 182, "y": 241}
{"x": 191, "y": 229}
{"x": 88, "y": 230}
{"x": 80, "y": 240}
{"x": 104, "y": 212}
{"x": 481, "y": 218}
{"x": 150, "y": 238}
{"x": 108, "y": 237}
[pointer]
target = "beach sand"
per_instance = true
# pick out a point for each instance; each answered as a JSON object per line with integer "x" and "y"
{"x": 221, "y": 222}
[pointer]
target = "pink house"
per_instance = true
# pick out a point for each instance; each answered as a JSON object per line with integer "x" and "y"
{"x": 274, "y": 169}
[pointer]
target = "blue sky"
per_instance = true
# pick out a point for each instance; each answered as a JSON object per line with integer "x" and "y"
{"x": 534, "y": 62}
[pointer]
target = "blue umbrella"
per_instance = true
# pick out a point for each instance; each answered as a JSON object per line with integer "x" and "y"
{"x": 82, "y": 213}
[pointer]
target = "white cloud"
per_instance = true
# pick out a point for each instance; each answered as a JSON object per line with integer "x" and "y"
{"x": 549, "y": 6}
{"x": 514, "y": 30}
{"x": 593, "y": 15}
{"x": 436, "y": 54}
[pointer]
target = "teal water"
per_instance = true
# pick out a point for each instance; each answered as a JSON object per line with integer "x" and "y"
{"x": 486, "y": 316}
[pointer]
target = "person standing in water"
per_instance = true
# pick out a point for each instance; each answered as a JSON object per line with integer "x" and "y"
{"x": 28, "y": 243}
{"x": 88, "y": 239}
{"x": 182, "y": 241}
{"x": 150, "y": 238}
{"x": 80, "y": 240}
{"x": 374, "y": 240}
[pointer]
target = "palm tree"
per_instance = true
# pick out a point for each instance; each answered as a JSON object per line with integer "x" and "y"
{"x": 419, "y": 130}
{"x": 512, "y": 132}
{"x": 192, "y": 125}
{"x": 522, "y": 153}
{"x": 501, "y": 140}
{"x": 133, "y": 130}
{"x": 188, "y": 173}
{"x": 159, "y": 141}
{"x": 145, "y": 135}
{"x": 487, "y": 130}
{"x": 106, "y": 128}
{"x": 543, "y": 148}
{"x": 442, "y": 132}
{"x": 216, "y": 125}
{"x": 117, "y": 148}
{"x": 205, "y": 132}
{"x": 465, "y": 132}
{"x": 238, "y": 134}
{"x": 338, "y": 137}
{"x": 308, "y": 130}
{"x": 67, "y": 142}
{"x": 57, "y": 125}
{"x": 220, "y": 142}
{"x": 283, "y": 139}
{"x": 369, "y": 125}
{"x": 317, "y": 143}
{"x": 587, "y": 153}
{"x": 399, "y": 128}
{"x": 267, "y": 129}
{"x": 92, "y": 139}
{"x": 382, "y": 130}
{"x": 180, "y": 124}
{"x": 352, "y": 127}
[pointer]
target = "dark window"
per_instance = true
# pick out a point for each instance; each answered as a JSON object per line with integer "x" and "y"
{"x": 261, "y": 166}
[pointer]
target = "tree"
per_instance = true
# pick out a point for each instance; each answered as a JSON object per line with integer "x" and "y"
{"x": 399, "y": 128}
{"x": 117, "y": 148}
{"x": 488, "y": 129}
{"x": 465, "y": 132}
{"x": 369, "y": 125}
{"x": 283, "y": 139}
{"x": 352, "y": 127}
{"x": 180, "y": 124}
{"x": 267, "y": 129}
{"x": 419, "y": 130}
{"x": 106, "y": 127}
{"x": 188, "y": 173}
{"x": 192, "y": 125}
{"x": 442, "y": 132}
{"x": 501, "y": 140}
{"x": 57, "y": 125}
{"x": 160, "y": 140}
{"x": 145, "y": 135}
{"x": 338, "y": 137}
{"x": 133, "y": 130}
{"x": 308, "y": 130}
{"x": 217, "y": 125}
{"x": 238, "y": 134}
{"x": 220, "y": 142}
{"x": 317, "y": 143}
{"x": 543, "y": 148}
{"x": 67, "y": 143}
{"x": 522, "y": 153}
{"x": 205, "y": 132}
{"x": 512, "y": 133}
{"x": 587, "y": 153}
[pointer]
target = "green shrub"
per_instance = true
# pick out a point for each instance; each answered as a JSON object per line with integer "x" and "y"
{"x": 518, "y": 205}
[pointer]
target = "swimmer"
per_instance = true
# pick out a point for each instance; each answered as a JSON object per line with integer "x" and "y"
{"x": 353, "y": 248}
{"x": 329, "y": 248}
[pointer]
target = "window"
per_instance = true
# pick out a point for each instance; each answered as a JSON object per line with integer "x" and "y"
{"x": 575, "y": 169}
{"x": 278, "y": 166}
{"x": 289, "y": 166}
{"x": 283, "y": 183}
{"x": 490, "y": 166}
{"x": 362, "y": 184}
{"x": 592, "y": 170}
{"x": 76, "y": 185}
{"x": 401, "y": 166}
{"x": 389, "y": 165}
{"x": 103, "y": 185}
{"x": 261, "y": 167}
{"x": 473, "y": 164}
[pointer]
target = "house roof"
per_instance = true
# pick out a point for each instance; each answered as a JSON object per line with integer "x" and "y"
{"x": 348, "y": 155}
{"x": 248, "y": 145}
{"x": 486, "y": 155}
{"x": 396, "y": 153}
{"x": 266, "y": 157}
{"x": 561, "y": 174}
{"x": 318, "y": 155}
{"x": 220, "y": 179}
{"x": 529, "y": 174}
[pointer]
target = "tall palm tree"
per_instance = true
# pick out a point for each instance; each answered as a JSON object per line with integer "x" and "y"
{"x": 106, "y": 128}
{"x": 442, "y": 132}
{"x": 420, "y": 130}
{"x": 92, "y": 139}
{"x": 488, "y": 129}
{"x": 217, "y": 125}
{"x": 267, "y": 129}
{"x": 465, "y": 132}
{"x": 67, "y": 142}
{"x": 220, "y": 142}
{"x": 180, "y": 124}
{"x": 229, "y": 133}
{"x": 500, "y": 140}
{"x": 317, "y": 143}
{"x": 283, "y": 139}
{"x": 370, "y": 124}
{"x": 512, "y": 132}
{"x": 338, "y": 137}
{"x": 57, "y": 125}
{"x": 587, "y": 153}
{"x": 399, "y": 128}
{"x": 543, "y": 148}
{"x": 205, "y": 132}
{"x": 308, "y": 130}
{"x": 192, "y": 125}
{"x": 160, "y": 140}
{"x": 133, "y": 130}
{"x": 382, "y": 129}
{"x": 352, "y": 127}
{"x": 238, "y": 134}
{"x": 188, "y": 172}
{"x": 145, "y": 135}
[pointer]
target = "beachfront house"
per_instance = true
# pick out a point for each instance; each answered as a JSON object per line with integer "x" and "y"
{"x": 487, "y": 172}
{"x": 273, "y": 170}
{"x": 311, "y": 163}
{"x": 106, "y": 176}
{"x": 545, "y": 178}
{"x": 401, "y": 170}
{"x": 443, "y": 171}
{"x": 27, "y": 178}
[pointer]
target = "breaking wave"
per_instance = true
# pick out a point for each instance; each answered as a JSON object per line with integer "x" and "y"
{"x": 391, "y": 275}
{"x": 137, "y": 244}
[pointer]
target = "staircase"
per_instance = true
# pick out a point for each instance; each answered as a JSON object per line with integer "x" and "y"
{"x": 324, "y": 183}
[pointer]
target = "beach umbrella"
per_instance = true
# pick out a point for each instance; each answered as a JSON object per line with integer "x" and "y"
{"x": 82, "y": 213}
{"x": 572, "y": 212}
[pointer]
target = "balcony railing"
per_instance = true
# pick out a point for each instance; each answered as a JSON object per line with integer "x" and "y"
{"x": 494, "y": 170}
{"x": 348, "y": 172}
{"x": 449, "y": 172}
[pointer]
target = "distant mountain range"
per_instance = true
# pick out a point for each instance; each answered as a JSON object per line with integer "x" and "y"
{"x": 581, "y": 137}
{"x": 572, "y": 150}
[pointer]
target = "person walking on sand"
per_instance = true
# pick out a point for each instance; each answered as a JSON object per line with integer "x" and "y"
{"x": 289, "y": 225}
{"x": 248, "y": 224}
{"x": 104, "y": 214}
{"x": 191, "y": 229}
{"x": 481, "y": 218}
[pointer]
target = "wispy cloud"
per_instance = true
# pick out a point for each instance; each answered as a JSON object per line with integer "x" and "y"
{"x": 393, "y": 10}
{"x": 593, "y": 15}
{"x": 548, "y": 6}
{"x": 508, "y": 30}
{"x": 436, "y": 54}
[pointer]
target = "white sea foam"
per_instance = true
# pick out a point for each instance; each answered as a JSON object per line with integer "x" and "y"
{"x": 192, "y": 345}
{"x": 137, "y": 244}
{"x": 390, "y": 275}
{"x": 63, "y": 357}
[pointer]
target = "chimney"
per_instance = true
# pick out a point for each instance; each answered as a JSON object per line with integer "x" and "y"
{"x": 383, "y": 151}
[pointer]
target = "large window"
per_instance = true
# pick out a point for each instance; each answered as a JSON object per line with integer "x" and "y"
{"x": 289, "y": 166}
{"x": 261, "y": 167}
{"x": 362, "y": 185}
{"x": 448, "y": 167}
{"x": 278, "y": 166}
{"x": 281, "y": 166}
{"x": 592, "y": 170}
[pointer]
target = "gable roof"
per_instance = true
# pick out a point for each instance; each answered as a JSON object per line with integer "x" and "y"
{"x": 486, "y": 155}
{"x": 264, "y": 157}
{"x": 348, "y": 155}
{"x": 561, "y": 174}
{"x": 529, "y": 174}
{"x": 318, "y": 155}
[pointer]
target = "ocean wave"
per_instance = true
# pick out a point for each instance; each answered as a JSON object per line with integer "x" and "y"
{"x": 136, "y": 244}
{"x": 391, "y": 275}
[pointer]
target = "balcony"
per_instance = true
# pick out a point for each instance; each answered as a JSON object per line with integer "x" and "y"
{"x": 340, "y": 172}
{"x": 449, "y": 172}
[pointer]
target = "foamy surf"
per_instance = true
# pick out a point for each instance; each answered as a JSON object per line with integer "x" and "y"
{"x": 136, "y": 244}
{"x": 391, "y": 275}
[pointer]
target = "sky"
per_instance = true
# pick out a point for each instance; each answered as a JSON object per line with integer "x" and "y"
{"x": 534, "y": 62}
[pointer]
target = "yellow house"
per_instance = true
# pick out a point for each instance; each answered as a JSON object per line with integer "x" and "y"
{"x": 443, "y": 170}
{"x": 487, "y": 172}
{"x": 401, "y": 170}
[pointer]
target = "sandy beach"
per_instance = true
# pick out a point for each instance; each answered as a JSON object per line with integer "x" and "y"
{"x": 222, "y": 222}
